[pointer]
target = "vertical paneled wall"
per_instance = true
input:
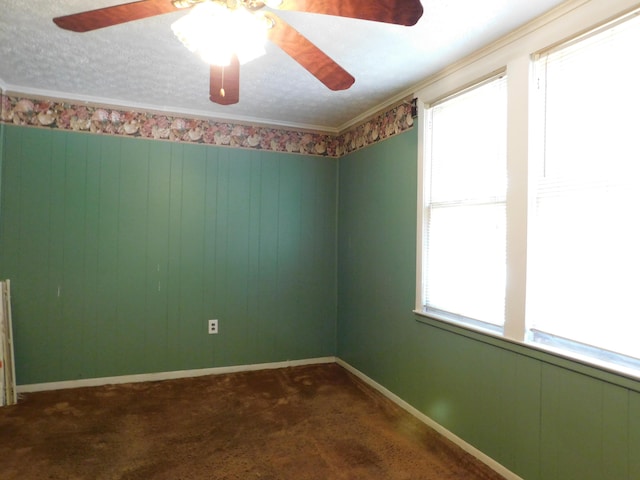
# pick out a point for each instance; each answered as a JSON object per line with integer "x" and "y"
{"x": 1, "y": 158}
{"x": 119, "y": 250}
{"x": 540, "y": 417}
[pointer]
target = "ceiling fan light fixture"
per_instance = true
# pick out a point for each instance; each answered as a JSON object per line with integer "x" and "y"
{"x": 184, "y": 3}
{"x": 216, "y": 32}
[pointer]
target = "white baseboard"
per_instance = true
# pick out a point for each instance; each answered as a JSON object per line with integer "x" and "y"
{"x": 152, "y": 377}
{"x": 490, "y": 462}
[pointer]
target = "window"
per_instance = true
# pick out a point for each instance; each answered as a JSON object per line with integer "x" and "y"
{"x": 543, "y": 246}
{"x": 584, "y": 249}
{"x": 465, "y": 209}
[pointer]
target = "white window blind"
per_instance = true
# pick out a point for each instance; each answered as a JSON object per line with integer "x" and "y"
{"x": 584, "y": 251}
{"x": 464, "y": 261}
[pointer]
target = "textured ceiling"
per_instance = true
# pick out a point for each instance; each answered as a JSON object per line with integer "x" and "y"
{"x": 142, "y": 65}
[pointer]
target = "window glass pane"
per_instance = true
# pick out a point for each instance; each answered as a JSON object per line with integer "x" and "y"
{"x": 466, "y": 258}
{"x": 591, "y": 108}
{"x": 468, "y": 144}
{"x": 585, "y": 268}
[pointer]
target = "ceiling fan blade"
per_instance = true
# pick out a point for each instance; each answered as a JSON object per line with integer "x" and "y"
{"x": 400, "y": 12}
{"x": 300, "y": 48}
{"x": 224, "y": 83}
{"x": 108, "y": 16}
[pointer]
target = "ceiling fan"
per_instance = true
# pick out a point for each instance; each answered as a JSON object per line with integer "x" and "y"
{"x": 224, "y": 84}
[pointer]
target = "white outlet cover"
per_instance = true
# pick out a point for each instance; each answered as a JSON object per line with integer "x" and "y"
{"x": 213, "y": 327}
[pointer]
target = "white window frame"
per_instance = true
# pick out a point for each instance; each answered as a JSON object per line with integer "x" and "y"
{"x": 424, "y": 208}
{"x": 515, "y": 53}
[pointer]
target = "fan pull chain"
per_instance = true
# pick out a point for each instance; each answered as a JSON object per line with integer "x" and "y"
{"x": 222, "y": 92}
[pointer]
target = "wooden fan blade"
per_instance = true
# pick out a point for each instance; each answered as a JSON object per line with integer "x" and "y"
{"x": 108, "y": 16}
{"x": 300, "y": 48}
{"x": 224, "y": 83}
{"x": 400, "y": 12}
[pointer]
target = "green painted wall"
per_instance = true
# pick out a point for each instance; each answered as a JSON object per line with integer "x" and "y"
{"x": 542, "y": 417}
{"x": 147, "y": 240}
{"x": 1, "y": 158}
{"x": 119, "y": 250}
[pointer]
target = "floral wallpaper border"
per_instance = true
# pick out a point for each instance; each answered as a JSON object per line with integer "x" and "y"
{"x": 51, "y": 113}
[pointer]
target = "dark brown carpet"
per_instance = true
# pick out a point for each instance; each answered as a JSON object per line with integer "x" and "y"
{"x": 312, "y": 422}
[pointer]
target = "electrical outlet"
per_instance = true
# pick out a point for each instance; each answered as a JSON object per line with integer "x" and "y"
{"x": 213, "y": 327}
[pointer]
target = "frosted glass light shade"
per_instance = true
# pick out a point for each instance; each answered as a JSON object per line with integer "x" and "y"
{"x": 216, "y": 32}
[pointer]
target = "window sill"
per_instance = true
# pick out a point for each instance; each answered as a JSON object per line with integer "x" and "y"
{"x": 611, "y": 373}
